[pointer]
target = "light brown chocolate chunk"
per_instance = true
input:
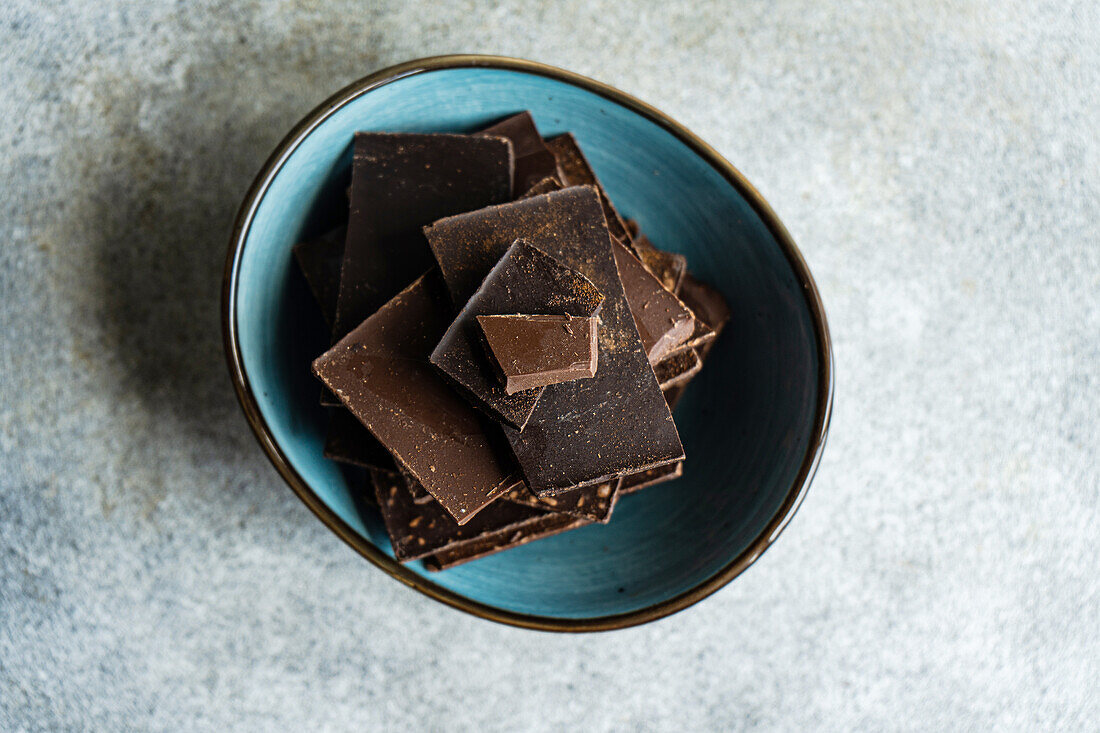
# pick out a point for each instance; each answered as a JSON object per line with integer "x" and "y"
{"x": 536, "y": 351}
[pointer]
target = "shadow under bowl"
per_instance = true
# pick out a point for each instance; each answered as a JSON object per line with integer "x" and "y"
{"x": 753, "y": 422}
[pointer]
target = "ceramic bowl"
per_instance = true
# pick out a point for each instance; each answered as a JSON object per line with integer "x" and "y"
{"x": 753, "y": 423}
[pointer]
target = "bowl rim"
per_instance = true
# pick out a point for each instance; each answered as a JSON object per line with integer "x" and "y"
{"x": 795, "y": 494}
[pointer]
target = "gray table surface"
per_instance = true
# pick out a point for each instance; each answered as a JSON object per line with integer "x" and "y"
{"x": 938, "y": 165}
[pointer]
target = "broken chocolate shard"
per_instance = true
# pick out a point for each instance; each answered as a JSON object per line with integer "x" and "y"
{"x": 663, "y": 322}
{"x": 417, "y": 530}
{"x": 594, "y": 503}
{"x": 380, "y": 371}
{"x": 589, "y": 430}
{"x": 523, "y": 280}
{"x": 535, "y": 351}
{"x": 677, "y": 368}
{"x": 667, "y": 267}
{"x": 576, "y": 171}
{"x": 401, "y": 182}
{"x": 492, "y": 543}
{"x": 533, "y": 160}
{"x": 652, "y": 477}
{"x": 348, "y": 441}
{"x": 319, "y": 260}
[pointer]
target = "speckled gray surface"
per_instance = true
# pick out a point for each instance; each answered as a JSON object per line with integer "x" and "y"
{"x": 938, "y": 166}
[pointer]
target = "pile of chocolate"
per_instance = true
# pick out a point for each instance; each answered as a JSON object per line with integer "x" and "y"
{"x": 507, "y": 349}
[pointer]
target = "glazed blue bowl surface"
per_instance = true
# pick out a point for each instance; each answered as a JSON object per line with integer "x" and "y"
{"x": 753, "y": 422}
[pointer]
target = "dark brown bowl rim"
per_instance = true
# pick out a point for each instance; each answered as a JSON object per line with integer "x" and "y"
{"x": 775, "y": 526}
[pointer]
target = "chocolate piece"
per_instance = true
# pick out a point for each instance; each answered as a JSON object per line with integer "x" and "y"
{"x": 401, "y": 182}
{"x": 380, "y": 371}
{"x": 589, "y": 430}
{"x": 525, "y": 280}
{"x": 534, "y": 161}
{"x": 638, "y": 481}
{"x": 677, "y": 368}
{"x": 663, "y": 321}
{"x": 489, "y": 544}
{"x": 546, "y": 185}
{"x": 319, "y": 259}
{"x": 534, "y": 351}
{"x": 594, "y": 502}
{"x": 576, "y": 171}
{"x": 667, "y": 267}
{"x": 417, "y": 530}
{"x": 348, "y": 441}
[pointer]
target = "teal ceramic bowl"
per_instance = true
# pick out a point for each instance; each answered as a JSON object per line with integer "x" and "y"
{"x": 753, "y": 422}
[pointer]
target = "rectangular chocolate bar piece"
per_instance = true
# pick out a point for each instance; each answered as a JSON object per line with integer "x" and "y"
{"x": 401, "y": 182}
{"x": 319, "y": 260}
{"x": 380, "y": 371}
{"x": 576, "y": 171}
{"x": 525, "y": 280}
{"x": 589, "y": 430}
{"x": 663, "y": 322}
{"x": 536, "y": 351}
{"x": 534, "y": 161}
{"x": 490, "y": 544}
{"x": 420, "y": 529}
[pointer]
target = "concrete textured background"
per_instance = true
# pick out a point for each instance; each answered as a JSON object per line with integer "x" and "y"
{"x": 938, "y": 164}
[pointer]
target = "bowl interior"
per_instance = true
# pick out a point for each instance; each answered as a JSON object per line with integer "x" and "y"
{"x": 746, "y": 421}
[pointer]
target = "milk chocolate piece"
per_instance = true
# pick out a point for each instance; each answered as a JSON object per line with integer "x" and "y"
{"x": 535, "y": 351}
{"x": 667, "y": 267}
{"x": 677, "y": 368}
{"x": 380, "y": 371}
{"x": 534, "y": 161}
{"x": 663, "y": 321}
{"x": 589, "y": 430}
{"x": 492, "y": 543}
{"x": 401, "y": 182}
{"x": 348, "y": 441}
{"x": 319, "y": 259}
{"x": 638, "y": 481}
{"x": 420, "y": 529}
{"x": 525, "y": 280}
{"x": 595, "y": 502}
{"x": 576, "y": 171}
